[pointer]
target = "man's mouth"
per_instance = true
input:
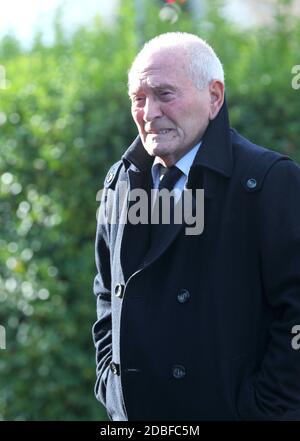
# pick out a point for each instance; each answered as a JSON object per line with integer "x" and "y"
{"x": 159, "y": 132}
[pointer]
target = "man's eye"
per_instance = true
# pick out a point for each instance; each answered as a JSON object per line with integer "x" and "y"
{"x": 138, "y": 99}
{"x": 166, "y": 94}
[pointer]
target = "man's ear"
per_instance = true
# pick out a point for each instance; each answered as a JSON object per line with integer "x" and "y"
{"x": 216, "y": 91}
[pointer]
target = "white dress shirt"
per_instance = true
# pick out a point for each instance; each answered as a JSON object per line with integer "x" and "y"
{"x": 184, "y": 164}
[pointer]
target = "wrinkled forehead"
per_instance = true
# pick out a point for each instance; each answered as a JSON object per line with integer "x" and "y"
{"x": 161, "y": 67}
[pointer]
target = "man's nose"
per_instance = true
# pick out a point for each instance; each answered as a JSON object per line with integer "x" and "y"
{"x": 152, "y": 109}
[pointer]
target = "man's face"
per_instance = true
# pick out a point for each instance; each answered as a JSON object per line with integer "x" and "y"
{"x": 171, "y": 114}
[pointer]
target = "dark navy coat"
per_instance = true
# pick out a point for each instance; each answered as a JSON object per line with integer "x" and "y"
{"x": 202, "y": 327}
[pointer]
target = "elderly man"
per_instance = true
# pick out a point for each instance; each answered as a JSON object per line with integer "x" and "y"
{"x": 197, "y": 326}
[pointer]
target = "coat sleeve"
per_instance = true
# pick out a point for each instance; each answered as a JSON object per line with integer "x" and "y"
{"x": 273, "y": 393}
{"x": 102, "y": 329}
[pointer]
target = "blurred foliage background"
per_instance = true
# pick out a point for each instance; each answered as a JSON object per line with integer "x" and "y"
{"x": 64, "y": 119}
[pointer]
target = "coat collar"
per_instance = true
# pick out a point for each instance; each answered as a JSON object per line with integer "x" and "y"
{"x": 138, "y": 156}
{"x": 215, "y": 152}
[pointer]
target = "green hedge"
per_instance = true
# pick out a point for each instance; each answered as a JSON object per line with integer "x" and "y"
{"x": 64, "y": 119}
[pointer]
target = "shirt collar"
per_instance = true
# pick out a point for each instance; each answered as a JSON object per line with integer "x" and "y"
{"x": 184, "y": 164}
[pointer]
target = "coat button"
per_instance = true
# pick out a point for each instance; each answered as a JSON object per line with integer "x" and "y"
{"x": 178, "y": 371}
{"x": 183, "y": 296}
{"x": 251, "y": 183}
{"x": 119, "y": 290}
{"x": 110, "y": 177}
{"x": 114, "y": 367}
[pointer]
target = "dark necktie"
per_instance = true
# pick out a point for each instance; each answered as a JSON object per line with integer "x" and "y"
{"x": 170, "y": 177}
{"x": 168, "y": 181}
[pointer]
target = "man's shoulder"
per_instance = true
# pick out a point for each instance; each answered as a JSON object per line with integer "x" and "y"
{"x": 246, "y": 149}
{"x": 113, "y": 174}
{"x": 253, "y": 162}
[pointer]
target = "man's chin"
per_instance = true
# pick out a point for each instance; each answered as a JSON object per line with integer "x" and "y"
{"x": 157, "y": 149}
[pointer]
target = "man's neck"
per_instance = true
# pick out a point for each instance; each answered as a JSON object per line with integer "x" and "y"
{"x": 170, "y": 161}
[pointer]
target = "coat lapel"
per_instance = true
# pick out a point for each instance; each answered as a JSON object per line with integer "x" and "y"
{"x": 135, "y": 237}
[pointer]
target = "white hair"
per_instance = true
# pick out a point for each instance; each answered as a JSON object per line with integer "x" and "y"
{"x": 203, "y": 63}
